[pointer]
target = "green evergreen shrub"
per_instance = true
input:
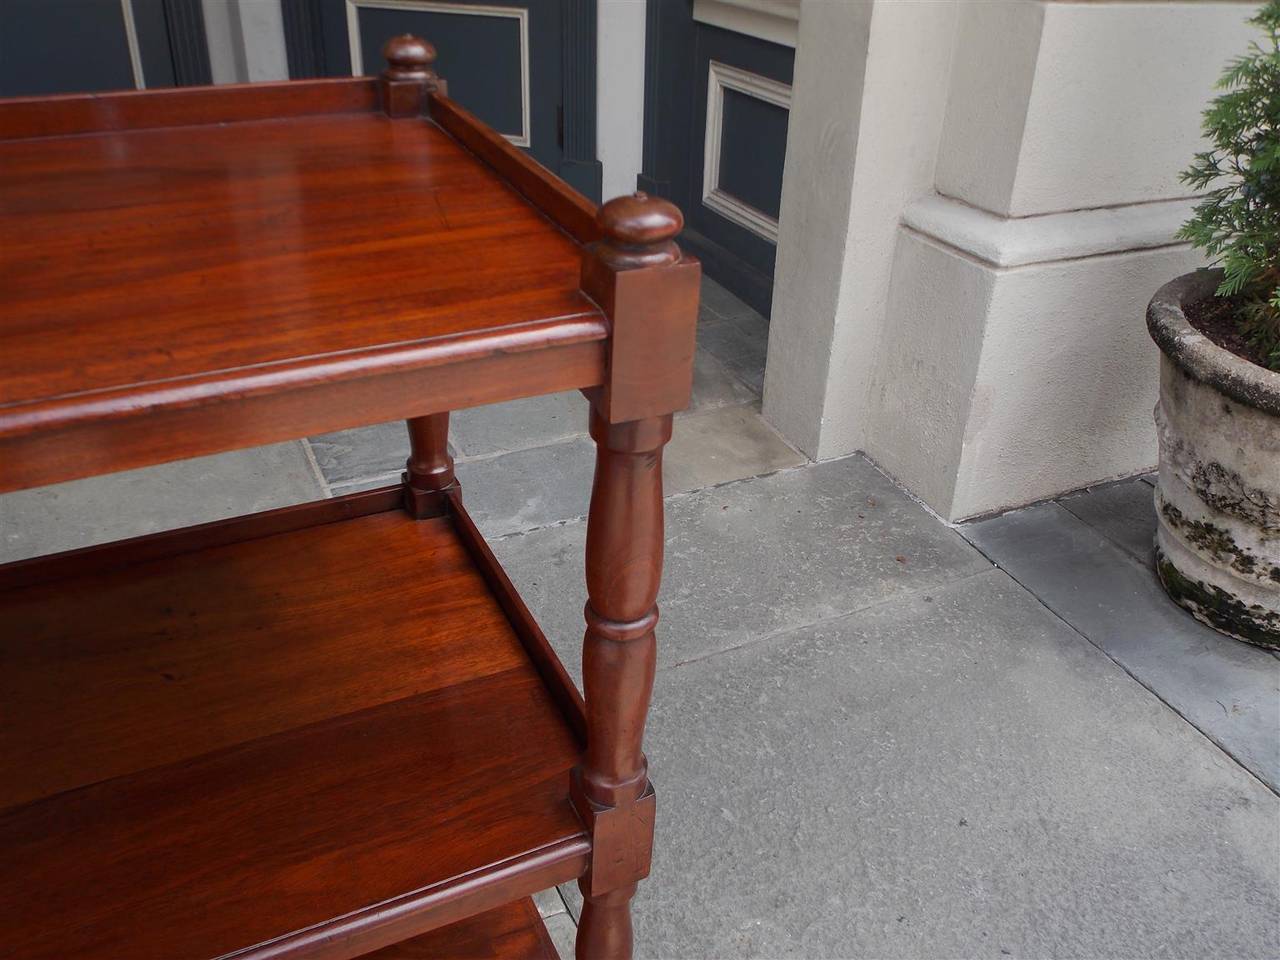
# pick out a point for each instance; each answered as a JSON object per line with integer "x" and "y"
{"x": 1237, "y": 222}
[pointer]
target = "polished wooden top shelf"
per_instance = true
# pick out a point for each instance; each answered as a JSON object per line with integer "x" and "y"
{"x": 182, "y": 268}
{"x": 234, "y": 250}
{"x": 271, "y": 741}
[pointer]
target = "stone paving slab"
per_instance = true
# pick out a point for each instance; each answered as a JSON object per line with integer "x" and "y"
{"x": 351, "y": 459}
{"x": 549, "y": 903}
{"x": 1228, "y": 689}
{"x": 740, "y": 343}
{"x": 717, "y": 384}
{"x": 538, "y": 421}
{"x": 549, "y": 484}
{"x": 734, "y": 333}
{"x": 518, "y": 425}
{"x": 756, "y": 557}
{"x": 1124, "y": 513}
{"x": 717, "y": 300}
{"x": 529, "y": 488}
{"x": 370, "y": 456}
{"x": 723, "y": 444}
{"x": 951, "y": 773}
{"x": 136, "y": 502}
{"x": 563, "y": 932}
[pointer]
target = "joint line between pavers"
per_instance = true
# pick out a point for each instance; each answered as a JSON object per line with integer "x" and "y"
{"x": 310, "y": 454}
{"x": 1138, "y": 680}
{"x": 820, "y": 621}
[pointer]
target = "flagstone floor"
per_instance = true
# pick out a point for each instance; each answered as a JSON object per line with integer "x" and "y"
{"x": 874, "y": 734}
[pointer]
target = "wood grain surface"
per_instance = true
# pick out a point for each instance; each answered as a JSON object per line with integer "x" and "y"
{"x": 184, "y": 269}
{"x": 322, "y": 823}
{"x": 512, "y": 932}
{"x": 138, "y": 666}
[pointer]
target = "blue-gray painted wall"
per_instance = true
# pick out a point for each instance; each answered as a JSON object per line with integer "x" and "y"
{"x": 753, "y": 141}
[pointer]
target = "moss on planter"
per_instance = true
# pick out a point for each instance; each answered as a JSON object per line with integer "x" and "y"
{"x": 1226, "y": 491}
{"x": 1218, "y": 609}
{"x": 1219, "y": 543}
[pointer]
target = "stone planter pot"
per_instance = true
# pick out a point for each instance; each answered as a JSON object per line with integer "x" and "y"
{"x": 1218, "y": 495}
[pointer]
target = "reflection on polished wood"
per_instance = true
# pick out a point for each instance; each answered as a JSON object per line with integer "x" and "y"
{"x": 340, "y": 250}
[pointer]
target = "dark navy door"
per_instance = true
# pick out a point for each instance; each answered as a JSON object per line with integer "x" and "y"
{"x": 84, "y": 46}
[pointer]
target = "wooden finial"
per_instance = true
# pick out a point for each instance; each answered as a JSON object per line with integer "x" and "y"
{"x": 638, "y": 231}
{"x": 408, "y": 77}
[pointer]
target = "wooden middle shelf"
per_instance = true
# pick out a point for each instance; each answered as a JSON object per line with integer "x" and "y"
{"x": 510, "y": 932}
{"x": 242, "y": 731}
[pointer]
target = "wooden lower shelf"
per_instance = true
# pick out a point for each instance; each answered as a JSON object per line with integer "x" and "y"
{"x": 315, "y": 732}
{"x": 511, "y": 932}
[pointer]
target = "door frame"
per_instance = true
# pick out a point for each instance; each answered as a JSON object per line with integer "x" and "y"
{"x": 183, "y": 21}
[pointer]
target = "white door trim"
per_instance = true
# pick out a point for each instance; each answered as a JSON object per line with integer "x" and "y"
{"x": 131, "y": 39}
{"x": 723, "y": 77}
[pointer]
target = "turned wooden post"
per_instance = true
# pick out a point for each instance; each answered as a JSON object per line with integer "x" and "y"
{"x": 637, "y": 274}
{"x": 429, "y": 469}
{"x": 403, "y": 87}
{"x": 408, "y": 78}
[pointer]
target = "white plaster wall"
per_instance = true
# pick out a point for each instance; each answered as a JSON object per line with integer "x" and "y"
{"x": 1082, "y": 182}
{"x": 221, "y": 39}
{"x": 1017, "y": 241}
{"x": 923, "y": 383}
{"x": 620, "y": 39}
{"x": 1000, "y": 386}
{"x": 911, "y": 44}
{"x": 1115, "y": 107}
{"x": 246, "y": 40}
{"x": 1067, "y": 379}
{"x": 1044, "y": 384}
{"x": 817, "y": 199}
{"x": 262, "y": 40}
{"x": 868, "y": 100}
{"x": 989, "y": 91}
{"x": 1064, "y": 106}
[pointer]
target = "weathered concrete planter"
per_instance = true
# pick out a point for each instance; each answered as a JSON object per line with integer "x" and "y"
{"x": 1218, "y": 496}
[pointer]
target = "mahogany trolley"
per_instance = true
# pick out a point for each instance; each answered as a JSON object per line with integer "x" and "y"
{"x": 332, "y": 730}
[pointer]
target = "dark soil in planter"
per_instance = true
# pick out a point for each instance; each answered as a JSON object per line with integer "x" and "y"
{"x": 1215, "y": 317}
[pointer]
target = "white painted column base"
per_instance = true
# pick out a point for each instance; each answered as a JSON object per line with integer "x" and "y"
{"x": 988, "y": 350}
{"x": 1015, "y": 362}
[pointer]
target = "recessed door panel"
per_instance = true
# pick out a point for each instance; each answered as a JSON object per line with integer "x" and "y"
{"x": 71, "y": 46}
{"x": 89, "y": 46}
{"x": 753, "y": 148}
{"x": 483, "y": 51}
